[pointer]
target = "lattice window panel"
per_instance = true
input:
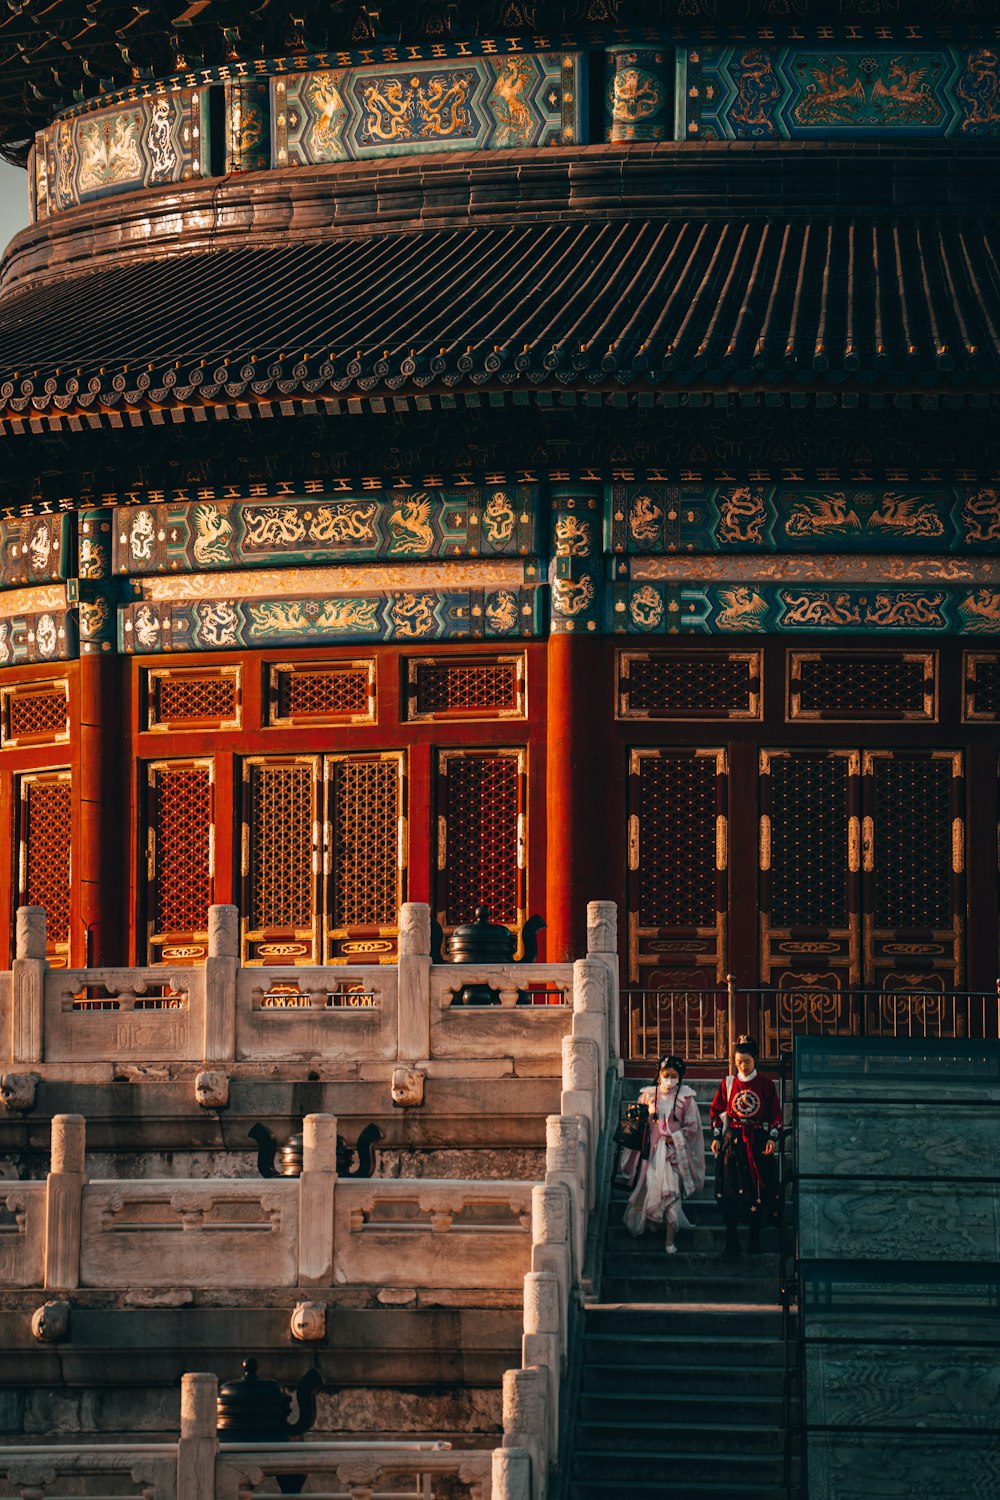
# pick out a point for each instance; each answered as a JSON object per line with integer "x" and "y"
{"x": 676, "y": 808}
{"x": 478, "y": 687}
{"x": 365, "y": 808}
{"x": 45, "y": 851}
{"x": 336, "y": 692}
{"x": 808, "y": 852}
{"x": 35, "y": 713}
{"x": 982, "y": 686}
{"x": 689, "y": 685}
{"x": 281, "y": 858}
{"x": 178, "y": 697}
{"x": 846, "y": 685}
{"x": 912, "y": 841}
{"x": 180, "y": 849}
{"x": 481, "y": 835}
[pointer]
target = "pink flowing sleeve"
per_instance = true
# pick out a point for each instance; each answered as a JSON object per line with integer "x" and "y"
{"x": 694, "y": 1139}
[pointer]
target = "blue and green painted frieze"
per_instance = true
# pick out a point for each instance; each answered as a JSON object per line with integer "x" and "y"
{"x": 35, "y": 549}
{"x": 662, "y": 518}
{"x": 151, "y": 142}
{"x": 796, "y": 92}
{"x": 351, "y": 114}
{"x": 219, "y": 624}
{"x": 210, "y": 534}
{"x": 656, "y": 608}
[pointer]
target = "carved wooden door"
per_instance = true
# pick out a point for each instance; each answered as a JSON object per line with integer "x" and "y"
{"x": 323, "y": 858}
{"x": 45, "y": 823}
{"x": 481, "y": 835}
{"x": 180, "y": 858}
{"x": 913, "y": 844}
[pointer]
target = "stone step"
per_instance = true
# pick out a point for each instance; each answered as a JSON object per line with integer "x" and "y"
{"x": 705, "y": 1238}
{"x": 674, "y": 1403}
{"x": 681, "y": 1473}
{"x": 720, "y": 1291}
{"x": 682, "y": 1486}
{"x": 705, "y": 1370}
{"x": 714, "y": 1431}
{"x": 746, "y": 1322}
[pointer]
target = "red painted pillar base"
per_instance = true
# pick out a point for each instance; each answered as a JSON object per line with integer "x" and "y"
{"x": 100, "y": 844}
{"x": 576, "y": 804}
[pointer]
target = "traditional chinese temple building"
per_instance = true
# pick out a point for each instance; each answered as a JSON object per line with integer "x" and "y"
{"x": 508, "y": 452}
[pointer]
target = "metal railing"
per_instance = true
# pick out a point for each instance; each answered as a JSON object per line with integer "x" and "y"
{"x": 702, "y": 1025}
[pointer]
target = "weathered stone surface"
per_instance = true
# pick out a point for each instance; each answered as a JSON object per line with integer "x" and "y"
{"x": 478, "y": 1164}
{"x": 404, "y": 1413}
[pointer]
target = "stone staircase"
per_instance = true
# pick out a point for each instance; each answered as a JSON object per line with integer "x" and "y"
{"x": 683, "y": 1363}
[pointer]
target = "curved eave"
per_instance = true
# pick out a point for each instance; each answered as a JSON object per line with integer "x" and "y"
{"x": 773, "y": 303}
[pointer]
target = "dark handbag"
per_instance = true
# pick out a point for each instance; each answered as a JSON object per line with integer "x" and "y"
{"x": 631, "y": 1132}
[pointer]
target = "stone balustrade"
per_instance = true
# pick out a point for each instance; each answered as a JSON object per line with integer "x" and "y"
{"x": 196, "y": 1467}
{"x": 315, "y": 1229}
{"x": 220, "y": 1014}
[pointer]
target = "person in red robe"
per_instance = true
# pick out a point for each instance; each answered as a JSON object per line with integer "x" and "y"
{"x": 745, "y": 1116}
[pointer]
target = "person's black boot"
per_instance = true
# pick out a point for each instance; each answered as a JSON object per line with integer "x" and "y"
{"x": 731, "y": 1250}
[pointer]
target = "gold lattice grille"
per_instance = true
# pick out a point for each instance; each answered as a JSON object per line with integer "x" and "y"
{"x": 337, "y": 691}
{"x": 180, "y": 847}
{"x": 178, "y": 697}
{"x": 364, "y": 823}
{"x": 479, "y": 687}
{"x": 808, "y": 837}
{"x": 46, "y": 839}
{"x": 43, "y": 713}
{"x": 689, "y": 685}
{"x": 912, "y": 841}
{"x": 677, "y": 804}
{"x": 280, "y": 856}
{"x": 884, "y": 685}
{"x": 479, "y": 851}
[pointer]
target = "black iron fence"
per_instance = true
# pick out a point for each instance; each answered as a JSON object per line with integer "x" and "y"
{"x": 702, "y": 1025}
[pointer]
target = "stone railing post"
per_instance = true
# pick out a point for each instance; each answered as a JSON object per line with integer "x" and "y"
{"x": 602, "y": 944}
{"x": 64, "y": 1203}
{"x": 591, "y": 1018}
{"x": 563, "y": 1164}
{"x": 581, "y": 1087}
{"x": 511, "y": 1474}
{"x": 317, "y": 1186}
{"x": 540, "y": 1342}
{"x": 524, "y": 1423}
{"x": 550, "y": 1247}
{"x": 219, "y": 1045}
{"x": 198, "y": 1447}
{"x": 413, "y": 1040}
{"x": 28, "y": 987}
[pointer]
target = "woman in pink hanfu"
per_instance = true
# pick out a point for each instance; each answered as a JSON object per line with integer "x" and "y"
{"x": 675, "y": 1164}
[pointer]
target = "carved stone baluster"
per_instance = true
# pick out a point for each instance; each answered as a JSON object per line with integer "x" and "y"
{"x": 63, "y": 1203}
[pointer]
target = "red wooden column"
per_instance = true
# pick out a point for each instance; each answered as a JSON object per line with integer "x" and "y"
{"x": 101, "y": 848}
{"x": 576, "y": 793}
{"x": 577, "y": 736}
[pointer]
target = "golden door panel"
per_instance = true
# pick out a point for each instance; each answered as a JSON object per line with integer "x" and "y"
{"x": 280, "y": 857}
{"x": 180, "y": 859}
{"x": 44, "y": 854}
{"x": 678, "y": 859}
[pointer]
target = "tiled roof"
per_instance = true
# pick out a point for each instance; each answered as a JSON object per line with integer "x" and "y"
{"x": 581, "y": 303}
